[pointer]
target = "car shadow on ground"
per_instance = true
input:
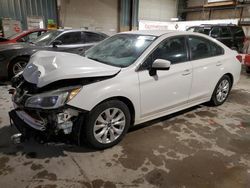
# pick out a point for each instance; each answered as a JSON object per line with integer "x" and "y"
{"x": 33, "y": 149}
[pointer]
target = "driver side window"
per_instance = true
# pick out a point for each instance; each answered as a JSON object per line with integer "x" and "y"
{"x": 173, "y": 50}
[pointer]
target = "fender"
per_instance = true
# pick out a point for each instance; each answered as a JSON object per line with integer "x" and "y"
{"x": 118, "y": 86}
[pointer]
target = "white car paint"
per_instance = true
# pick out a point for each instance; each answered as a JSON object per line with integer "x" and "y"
{"x": 184, "y": 85}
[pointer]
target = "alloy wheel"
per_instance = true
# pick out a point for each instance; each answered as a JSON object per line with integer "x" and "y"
{"x": 109, "y": 125}
{"x": 18, "y": 67}
{"x": 222, "y": 90}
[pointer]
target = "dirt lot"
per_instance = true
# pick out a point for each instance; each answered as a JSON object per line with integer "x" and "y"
{"x": 200, "y": 147}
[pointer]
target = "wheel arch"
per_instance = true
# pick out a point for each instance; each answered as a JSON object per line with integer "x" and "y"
{"x": 231, "y": 78}
{"x": 127, "y": 102}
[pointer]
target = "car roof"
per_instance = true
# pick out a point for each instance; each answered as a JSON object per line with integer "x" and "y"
{"x": 151, "y": 32}
{"x": 77, "y": 30}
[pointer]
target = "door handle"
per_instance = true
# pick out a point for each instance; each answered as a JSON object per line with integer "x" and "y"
{"x": 186, "y": 72}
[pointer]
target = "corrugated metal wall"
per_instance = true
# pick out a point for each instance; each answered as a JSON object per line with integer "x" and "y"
{"x": 129, "y": 14}
{"x": 157, "y": 10}
{"x": 95, "y": 15}
{"x": 20, "y": 9}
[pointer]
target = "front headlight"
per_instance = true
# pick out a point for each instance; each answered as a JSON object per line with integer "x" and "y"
{"x": 53, "y": 99}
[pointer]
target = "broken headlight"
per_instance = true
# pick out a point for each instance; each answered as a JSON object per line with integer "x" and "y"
{"x": 53, "y": 99}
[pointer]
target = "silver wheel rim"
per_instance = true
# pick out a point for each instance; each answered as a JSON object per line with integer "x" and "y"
{"x": 222, "y": 91}
{"x": 109, "y": 125}
{"x": 19, "y": 66}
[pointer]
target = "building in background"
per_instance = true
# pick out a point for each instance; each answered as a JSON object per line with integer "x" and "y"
{"x": 112, "y": 16}
{"x": 30, "y": 13}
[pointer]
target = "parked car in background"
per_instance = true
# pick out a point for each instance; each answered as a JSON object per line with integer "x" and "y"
{"x": 13, "y": 58}
{"x": 25, "y": 36}
{"x": 231, "y": 35}
{"x": 128, "y": 79}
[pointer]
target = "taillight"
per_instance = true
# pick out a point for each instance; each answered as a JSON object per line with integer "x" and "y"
{"x": 239, "y": 57}
{"x": 247, "y": 59}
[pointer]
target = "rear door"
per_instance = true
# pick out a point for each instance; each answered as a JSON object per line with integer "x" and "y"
{"x": 207, "y": 60}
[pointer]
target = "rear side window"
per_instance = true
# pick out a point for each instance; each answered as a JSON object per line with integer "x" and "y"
{"x": 202, "y": 48}
{"x": 92, "y": 37}
{"x": 216, "y": 49}
{"x": 70, "y": 38}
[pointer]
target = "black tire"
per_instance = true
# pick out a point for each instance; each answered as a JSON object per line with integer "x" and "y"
{"x": 87, "y": 131}
{"x": 22, "y": 60}
{"x": 214, "y": 100}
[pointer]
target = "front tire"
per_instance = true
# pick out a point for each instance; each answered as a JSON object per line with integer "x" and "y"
{"x": 221, "y": 91}
{"x": 106, "y": 124}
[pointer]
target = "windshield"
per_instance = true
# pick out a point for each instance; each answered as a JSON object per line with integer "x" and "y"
{"x": 46, "y": 38}
{"x": 120, "y": 50}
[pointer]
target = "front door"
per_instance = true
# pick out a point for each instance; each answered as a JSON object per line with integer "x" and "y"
{"x": 169, "y": 89}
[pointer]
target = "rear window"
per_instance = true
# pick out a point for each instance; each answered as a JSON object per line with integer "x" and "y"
{"x": 203, "y": 48}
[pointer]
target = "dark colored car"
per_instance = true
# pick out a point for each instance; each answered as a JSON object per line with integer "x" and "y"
{"x": 25, "y": 36}
{"x": 14, "y": 57}
{"x": 231, "y": 35}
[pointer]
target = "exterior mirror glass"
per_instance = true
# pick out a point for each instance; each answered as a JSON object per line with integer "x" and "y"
{"x": 159, "y": 64}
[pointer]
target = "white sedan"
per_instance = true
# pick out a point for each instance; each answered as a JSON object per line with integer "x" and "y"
{"x": 127, "y": 79}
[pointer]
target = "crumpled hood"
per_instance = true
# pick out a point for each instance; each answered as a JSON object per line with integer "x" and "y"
{"x": 46, "y": 67}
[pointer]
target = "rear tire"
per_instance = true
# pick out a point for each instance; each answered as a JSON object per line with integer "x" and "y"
{"x": 221, "y": 91}
{"x": 17, "y": 65}
{"x": 106, "y": 125}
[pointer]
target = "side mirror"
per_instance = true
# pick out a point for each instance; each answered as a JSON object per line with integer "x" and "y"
{"x": 159, "y": 64}
{"x": 56, "y": 43}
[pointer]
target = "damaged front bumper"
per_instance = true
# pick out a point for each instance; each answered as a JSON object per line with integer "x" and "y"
{"x": 57, "y": 126}
{"x": 52, "y": 118}
{"x": 47, "y": 126}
